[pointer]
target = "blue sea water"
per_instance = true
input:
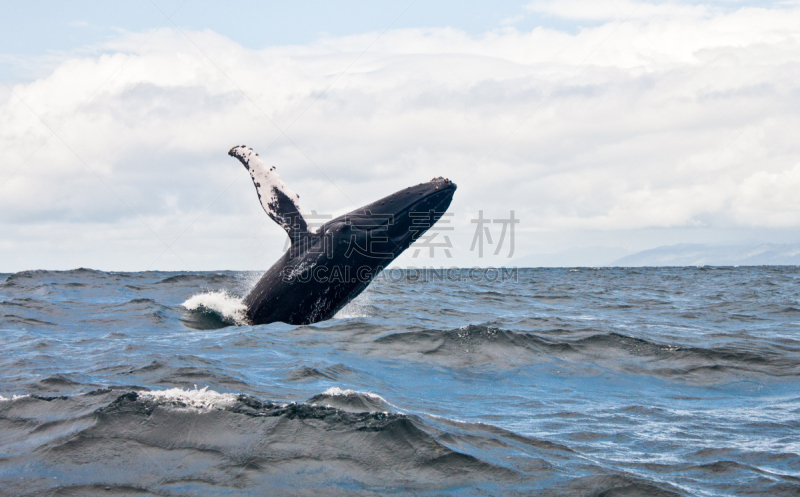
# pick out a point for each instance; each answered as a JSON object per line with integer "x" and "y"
{"x": 609, "y": 381}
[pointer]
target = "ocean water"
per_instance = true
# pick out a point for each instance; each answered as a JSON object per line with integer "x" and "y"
{"x": 612, "y": 381}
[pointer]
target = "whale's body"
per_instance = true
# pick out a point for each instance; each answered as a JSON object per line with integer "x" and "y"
{"x": 324, "y": 270}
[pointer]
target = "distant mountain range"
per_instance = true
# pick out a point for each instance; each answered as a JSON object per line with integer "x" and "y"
{"x": 768, "y": 254}
{"x": 589, "y": 256}
{"x": 683, "y": 254}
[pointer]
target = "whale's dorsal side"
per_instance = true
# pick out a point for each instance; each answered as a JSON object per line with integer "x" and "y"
{"x": 279, "y": 202}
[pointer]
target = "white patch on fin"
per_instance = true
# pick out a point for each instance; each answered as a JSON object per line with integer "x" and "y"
{"x": 279, "y": 202}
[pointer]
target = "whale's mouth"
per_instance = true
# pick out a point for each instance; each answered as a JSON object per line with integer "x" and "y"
{"x": 425, "y": 211}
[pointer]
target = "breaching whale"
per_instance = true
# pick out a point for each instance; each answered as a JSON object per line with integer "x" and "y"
{"x": 325, "y": 269}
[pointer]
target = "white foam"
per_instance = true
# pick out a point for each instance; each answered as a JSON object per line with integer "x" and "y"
{"x": 228, "y": 306}
{"x": 13, "y": 397}
{"x": 338, "y": 392}
{"x": 199, "y": 399}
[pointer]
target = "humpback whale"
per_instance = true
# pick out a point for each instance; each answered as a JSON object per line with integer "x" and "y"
{"x": 325, "y": 269}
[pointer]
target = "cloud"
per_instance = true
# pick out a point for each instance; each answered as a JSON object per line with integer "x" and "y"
{"x": 681, "y": 117}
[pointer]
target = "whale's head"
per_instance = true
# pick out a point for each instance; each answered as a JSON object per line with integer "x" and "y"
{"x": 380, "y": 231}
{"x": 434, "y": 195}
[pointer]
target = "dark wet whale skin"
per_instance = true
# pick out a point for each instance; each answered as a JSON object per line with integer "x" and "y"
{"x": 323, "y": 271}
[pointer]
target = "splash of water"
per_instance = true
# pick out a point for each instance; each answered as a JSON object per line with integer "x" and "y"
{"x": 360, "y": 307}
{"x": 226, "y": 305}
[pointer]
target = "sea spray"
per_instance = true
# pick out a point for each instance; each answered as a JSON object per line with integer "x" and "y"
{"x": 227, "y": 306}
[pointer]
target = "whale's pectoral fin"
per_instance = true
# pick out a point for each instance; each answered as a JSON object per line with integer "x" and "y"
{"x": 278, "y": 201}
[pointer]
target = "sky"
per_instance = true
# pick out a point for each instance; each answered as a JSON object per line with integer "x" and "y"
{"x": 607, "y": 127}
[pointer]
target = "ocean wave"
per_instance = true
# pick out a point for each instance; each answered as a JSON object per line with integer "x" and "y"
{"x": 205, "y": 278}
{"x": 334, "y": 372}
{"x": 484, "y": 344}
{"x": 351, "y": 400}
{"x": 12, "y": 318}
{"x": 37, "y": 274}
{"x": 215, "y": 309}
{"x": 307, "y": 373}
{"x": 198, "y": 398}
{"x": 125, "y": 439}
{"x": 611, "y": 485}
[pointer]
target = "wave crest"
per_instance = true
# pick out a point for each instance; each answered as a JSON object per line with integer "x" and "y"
{"x": 225, "y": 307}
{"x": 483, "y": 344}
{"x": 202, "y": 398}
{"x": 351, "y": 400}
{"x": 13, "y": 398}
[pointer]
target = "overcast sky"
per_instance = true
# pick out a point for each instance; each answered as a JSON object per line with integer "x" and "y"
{"x": 607, "y": 126}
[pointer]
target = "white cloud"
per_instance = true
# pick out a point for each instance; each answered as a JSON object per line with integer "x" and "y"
{"x": 683, "y": 117}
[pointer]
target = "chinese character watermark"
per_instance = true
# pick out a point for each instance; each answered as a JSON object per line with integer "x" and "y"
{"x": 365, "y": 274}
{"x": 482, "y": 231}
{"x": 373, "y": 229}
{"x": 426, "y": 229}
{"x": 375, "y": 235}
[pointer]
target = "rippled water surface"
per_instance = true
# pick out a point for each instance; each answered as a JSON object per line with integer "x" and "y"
{"x": 659, "y": 381}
